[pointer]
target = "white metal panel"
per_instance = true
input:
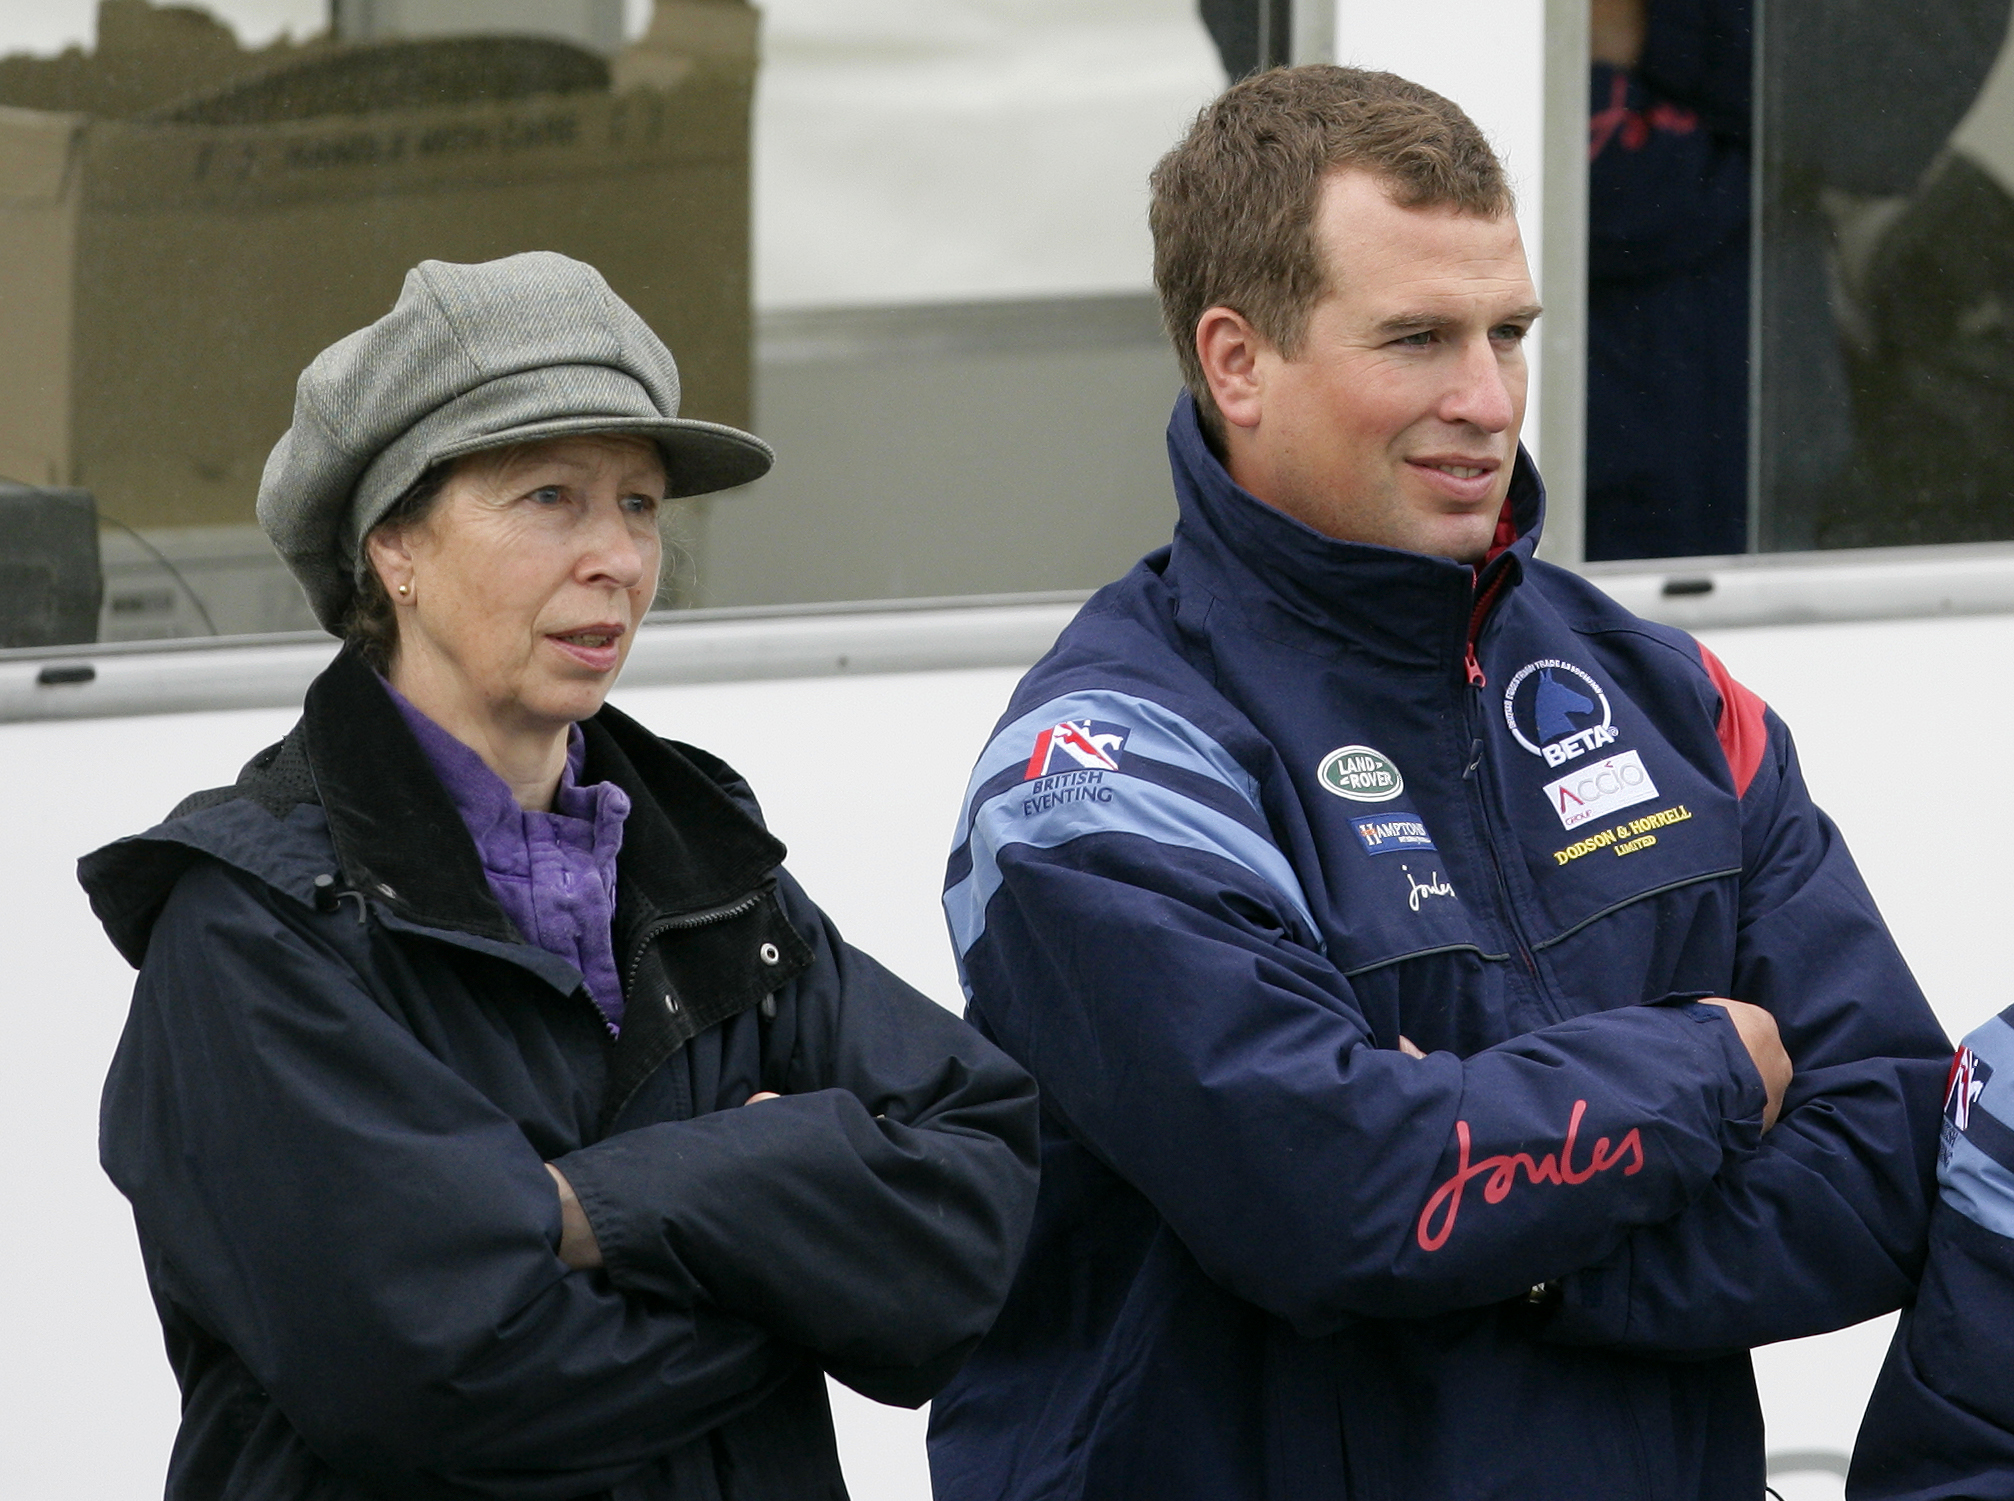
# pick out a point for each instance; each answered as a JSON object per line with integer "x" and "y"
{"x": 1879, "y": 707}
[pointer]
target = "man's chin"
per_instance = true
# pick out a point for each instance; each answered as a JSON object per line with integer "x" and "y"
{"x": 1464, "y": 539}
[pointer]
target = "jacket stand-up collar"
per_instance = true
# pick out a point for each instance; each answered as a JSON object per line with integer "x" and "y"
{"x": 400, "y": 840}
{"x": 1320, "y": 593}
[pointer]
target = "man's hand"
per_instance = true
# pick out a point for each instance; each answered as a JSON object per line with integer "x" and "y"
{"x": 577, "y": 1246}
{"x": 1758, "y": 1033}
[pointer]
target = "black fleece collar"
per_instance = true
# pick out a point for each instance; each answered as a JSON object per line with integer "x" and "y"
{"x": 687, "y": 845}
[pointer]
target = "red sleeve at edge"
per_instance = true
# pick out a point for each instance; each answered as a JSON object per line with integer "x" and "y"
{"x": 1743, "y": 735}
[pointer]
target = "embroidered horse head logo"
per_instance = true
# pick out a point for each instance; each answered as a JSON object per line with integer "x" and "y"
{"x": 1553, "y": 704}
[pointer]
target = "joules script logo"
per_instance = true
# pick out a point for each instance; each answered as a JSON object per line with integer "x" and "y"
{"x": 1447, "y": 1199}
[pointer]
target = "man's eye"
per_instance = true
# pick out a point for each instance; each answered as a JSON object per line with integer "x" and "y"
{"x": 1512, "y": 333}
{"x": 1417, "y": 341}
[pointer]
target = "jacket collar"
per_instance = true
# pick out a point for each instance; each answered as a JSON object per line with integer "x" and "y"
{"x": 399, "y": 839}
{"x": 1316, "y": 591}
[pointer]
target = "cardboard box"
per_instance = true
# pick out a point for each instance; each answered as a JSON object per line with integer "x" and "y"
{"x": 162, "y": 283}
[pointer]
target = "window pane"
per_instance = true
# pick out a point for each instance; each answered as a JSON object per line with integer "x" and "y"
{"x": 943, "y": 326}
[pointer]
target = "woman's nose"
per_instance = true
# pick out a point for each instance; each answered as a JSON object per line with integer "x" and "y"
{"x": 614, "y": 552}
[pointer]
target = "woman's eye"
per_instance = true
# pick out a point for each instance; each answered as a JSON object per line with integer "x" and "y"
{"x": 641, "y": 505}
{"x": 548, "y": 495}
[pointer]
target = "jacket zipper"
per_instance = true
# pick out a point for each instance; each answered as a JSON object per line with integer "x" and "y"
{"x": 1472, "y": 716}
{"x": 679, "y": 924}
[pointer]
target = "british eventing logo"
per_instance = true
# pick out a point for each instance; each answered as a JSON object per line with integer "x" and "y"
{"x": 1558, "y": 711}
{"x": 1968, "y": 1076}
{"x": 1077, "y": 745}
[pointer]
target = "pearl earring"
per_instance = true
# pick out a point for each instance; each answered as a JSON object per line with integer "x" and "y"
{"x": 405, "y": 588}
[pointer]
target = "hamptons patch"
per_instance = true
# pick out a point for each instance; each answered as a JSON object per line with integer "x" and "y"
{"x": 1389, "y": 833}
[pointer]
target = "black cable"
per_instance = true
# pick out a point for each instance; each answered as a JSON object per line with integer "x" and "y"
{"x": 155, "y": 552}
{"x": 174, "y": 572}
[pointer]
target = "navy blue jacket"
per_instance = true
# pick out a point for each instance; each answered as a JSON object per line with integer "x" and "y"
{"x": 332, "y": 1107}
{"x": 1260, "y": 814}
{"x": 1940, "y": 1426}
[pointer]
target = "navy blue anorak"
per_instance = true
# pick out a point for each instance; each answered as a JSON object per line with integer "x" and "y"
{"x": 1940, "y": 1425}
{"x": 344, "y": 1074}
{"x": 1275, "y": 801}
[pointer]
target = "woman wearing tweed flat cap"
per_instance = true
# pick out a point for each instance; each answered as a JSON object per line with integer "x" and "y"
{"x": 431, "y": 1102}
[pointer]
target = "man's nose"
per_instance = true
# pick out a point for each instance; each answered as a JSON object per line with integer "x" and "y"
{"x": 1481, "y": 394}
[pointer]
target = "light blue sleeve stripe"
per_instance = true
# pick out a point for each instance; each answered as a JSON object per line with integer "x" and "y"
{"x": 1156, "y": 732}
{"x": 1994, "y": 1041}
{"x": 1135, "y": 807}
{"x": 1976, "y": 1186}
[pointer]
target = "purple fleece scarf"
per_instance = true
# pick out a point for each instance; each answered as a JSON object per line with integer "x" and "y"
{"x": 554, "y": 873}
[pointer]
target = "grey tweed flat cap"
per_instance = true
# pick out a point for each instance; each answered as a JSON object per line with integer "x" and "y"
{"x": 472, "y": 357}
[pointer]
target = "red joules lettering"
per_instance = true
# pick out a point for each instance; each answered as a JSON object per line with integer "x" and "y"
{"x": 1447, "y": 1199}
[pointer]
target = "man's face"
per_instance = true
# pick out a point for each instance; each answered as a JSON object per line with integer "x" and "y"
{"x": 1397, "y": 421}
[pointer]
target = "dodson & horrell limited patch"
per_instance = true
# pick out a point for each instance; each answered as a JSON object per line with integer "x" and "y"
{"x": 1558, "y": 711}
{"x": 1360, "y": 774}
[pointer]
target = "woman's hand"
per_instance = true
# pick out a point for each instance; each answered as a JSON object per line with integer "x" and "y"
{"x": 577, "y": 1246}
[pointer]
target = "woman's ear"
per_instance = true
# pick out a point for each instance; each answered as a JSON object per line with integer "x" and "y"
{"x": 1228, "y": 347}
{"x": 388, "y": 549}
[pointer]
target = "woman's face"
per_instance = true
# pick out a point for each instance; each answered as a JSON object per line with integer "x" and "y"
{"x": 527, "y": 579}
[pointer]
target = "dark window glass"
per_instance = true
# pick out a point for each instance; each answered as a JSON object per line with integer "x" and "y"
{"x": 1801, "y": 276}
{"x": 1885, "y": 287}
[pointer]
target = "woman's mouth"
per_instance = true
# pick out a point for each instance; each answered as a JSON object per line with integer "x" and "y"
{"x": 593, "y": 646}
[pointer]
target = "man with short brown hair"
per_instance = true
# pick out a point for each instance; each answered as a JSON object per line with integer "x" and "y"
{"x": 1411, "y": 944}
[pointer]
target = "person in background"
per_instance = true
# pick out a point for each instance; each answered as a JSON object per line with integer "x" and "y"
{"x": 1940, "y": 1425}
{"x": 430, "y": 1104}
{"x": 1412, "y": 946}
{"x": 1668, "y": 278}
{"x": 1860, "y": 97}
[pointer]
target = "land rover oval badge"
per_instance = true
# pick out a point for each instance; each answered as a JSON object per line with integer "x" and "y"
{"x": 1361, "y": 774}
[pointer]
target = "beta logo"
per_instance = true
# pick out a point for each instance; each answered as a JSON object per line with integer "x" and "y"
{"x": 1077, "y": 745}
{"x": 1360, "y": 774}
{"x": 1557, "y": 711}
{"x": 1600, "y": 787}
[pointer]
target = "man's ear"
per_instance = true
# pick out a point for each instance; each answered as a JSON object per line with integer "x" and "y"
{"x": 1229, "y": 348}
